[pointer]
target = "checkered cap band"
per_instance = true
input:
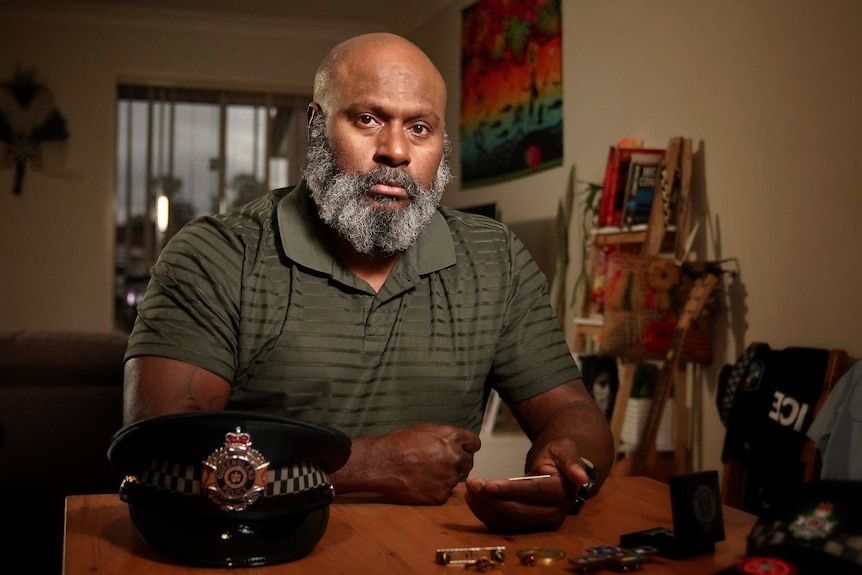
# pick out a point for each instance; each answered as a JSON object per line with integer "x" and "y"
{"x": 841, "y": 545}
{"x": 186, "y": 479}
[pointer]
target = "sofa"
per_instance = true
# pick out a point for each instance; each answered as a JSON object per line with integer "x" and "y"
{"x": 60, "y": 404}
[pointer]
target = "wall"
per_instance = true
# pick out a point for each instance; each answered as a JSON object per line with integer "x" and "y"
{"x": 56, "y": 238}
{"x": 769, "y": 94}
{"x": 768, "y": 91}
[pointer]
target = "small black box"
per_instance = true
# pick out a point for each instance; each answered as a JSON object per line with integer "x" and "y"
{"x": 667, "y": 543}
{"x": 695, "y": 500}
{"x": 697, "y": 519}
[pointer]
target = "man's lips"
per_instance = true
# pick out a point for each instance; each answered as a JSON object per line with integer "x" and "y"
{"x": 393, "y": 191}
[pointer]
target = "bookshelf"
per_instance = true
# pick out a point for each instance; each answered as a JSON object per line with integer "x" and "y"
{"x": 663, "y": 233}
{"x": 666, "y": 232}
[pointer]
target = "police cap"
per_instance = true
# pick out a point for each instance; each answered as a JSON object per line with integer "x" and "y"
{"x": 228, "y": 488}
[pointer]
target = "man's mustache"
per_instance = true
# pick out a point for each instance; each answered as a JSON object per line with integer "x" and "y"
{"x": 390, "y": 176}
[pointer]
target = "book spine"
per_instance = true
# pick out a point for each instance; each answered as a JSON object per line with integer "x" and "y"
{"x": 620, "y": 178}
{"x": 640, "y": 204}
{"x": 631, "y": 188}
{"x": 607, "y": 197}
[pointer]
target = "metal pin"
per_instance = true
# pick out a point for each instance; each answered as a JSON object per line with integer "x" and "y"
{"x": 528, "y": 477}
{"x": 480, "y": 558}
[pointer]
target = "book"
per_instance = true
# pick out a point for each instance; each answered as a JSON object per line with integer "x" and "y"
{"x": 643, "y": 171}
{"x": 631, "y": 184}
{"x": 616, "y": 178}
{"x": 606, "y": 200}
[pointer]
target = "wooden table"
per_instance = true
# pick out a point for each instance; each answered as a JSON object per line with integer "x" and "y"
{"x": 366, "y": 536}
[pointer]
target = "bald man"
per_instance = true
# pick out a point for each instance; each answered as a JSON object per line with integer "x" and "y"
{"x": 354, "y": 300}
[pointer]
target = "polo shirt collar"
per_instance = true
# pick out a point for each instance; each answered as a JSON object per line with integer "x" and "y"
{"x": 303, "y": 238}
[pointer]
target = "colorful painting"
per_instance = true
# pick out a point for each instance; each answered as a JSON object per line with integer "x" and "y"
{"x": 511, "y": 89}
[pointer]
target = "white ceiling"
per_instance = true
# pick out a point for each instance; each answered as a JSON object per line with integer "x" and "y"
{"x": 400, "y": 16}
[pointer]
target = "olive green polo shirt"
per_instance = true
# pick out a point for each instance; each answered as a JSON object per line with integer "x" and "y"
{"x": 256, "y": 296}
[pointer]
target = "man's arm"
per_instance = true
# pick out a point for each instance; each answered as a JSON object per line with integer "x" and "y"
{"x": 566, "y": 414}
{"x": 564, "y": 424}
{"x": 161, "y": 386}
{"x": 420, "y": 464}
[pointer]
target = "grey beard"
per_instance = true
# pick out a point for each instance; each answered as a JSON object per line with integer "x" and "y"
{"x": 341, "y": 202}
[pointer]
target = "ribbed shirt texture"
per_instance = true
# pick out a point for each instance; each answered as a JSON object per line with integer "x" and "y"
{"x": 256, "y": 296}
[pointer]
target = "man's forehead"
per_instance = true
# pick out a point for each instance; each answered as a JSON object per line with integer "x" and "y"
{"x": 385, "y": 80}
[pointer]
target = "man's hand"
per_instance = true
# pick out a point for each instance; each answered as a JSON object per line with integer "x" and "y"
{"x": 418, "y": 465}
{"x": 564, "y": 424}
{"x": 522, "y": 505}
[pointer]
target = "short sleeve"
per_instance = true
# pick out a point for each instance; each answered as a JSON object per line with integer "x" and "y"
{"x": 190, "y": 311}
{"x": 532, "y": 355}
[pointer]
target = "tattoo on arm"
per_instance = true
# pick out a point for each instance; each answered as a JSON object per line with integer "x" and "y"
{"x": 201, "y": 392}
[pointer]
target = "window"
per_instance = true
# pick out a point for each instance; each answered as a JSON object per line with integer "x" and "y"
{"x": 183, "y": 153}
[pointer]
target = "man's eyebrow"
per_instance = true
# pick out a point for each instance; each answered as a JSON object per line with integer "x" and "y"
{"x": 378, "y": 110}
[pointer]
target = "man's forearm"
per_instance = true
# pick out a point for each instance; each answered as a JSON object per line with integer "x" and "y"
{"x": 568, "y": 413}
{"x": 417, "y": 465}
{"x": 366, "y": 471}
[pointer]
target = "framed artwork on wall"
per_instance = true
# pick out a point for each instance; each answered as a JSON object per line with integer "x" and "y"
{"x": 32, "y": 130}
{"x": 511, "y": 90}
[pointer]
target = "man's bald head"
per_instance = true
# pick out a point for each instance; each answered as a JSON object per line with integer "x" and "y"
{"x": 359, "y": 58}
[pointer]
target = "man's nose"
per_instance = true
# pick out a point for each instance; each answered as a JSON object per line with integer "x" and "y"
{"x": 392, "y": 147}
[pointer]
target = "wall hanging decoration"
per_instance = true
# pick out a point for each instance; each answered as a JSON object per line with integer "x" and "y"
{"x": 30, "y": 125}
{"x": 511, "y": 89}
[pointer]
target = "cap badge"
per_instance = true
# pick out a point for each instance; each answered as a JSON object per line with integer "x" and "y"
{"x": 234, "y": 476}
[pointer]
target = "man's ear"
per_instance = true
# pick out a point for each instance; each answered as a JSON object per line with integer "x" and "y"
{"x": 311, "y": 112}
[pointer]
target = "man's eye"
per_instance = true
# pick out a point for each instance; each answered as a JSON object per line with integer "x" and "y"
{"x": 366, "y": 119}
{"x": 419, "y": 129}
